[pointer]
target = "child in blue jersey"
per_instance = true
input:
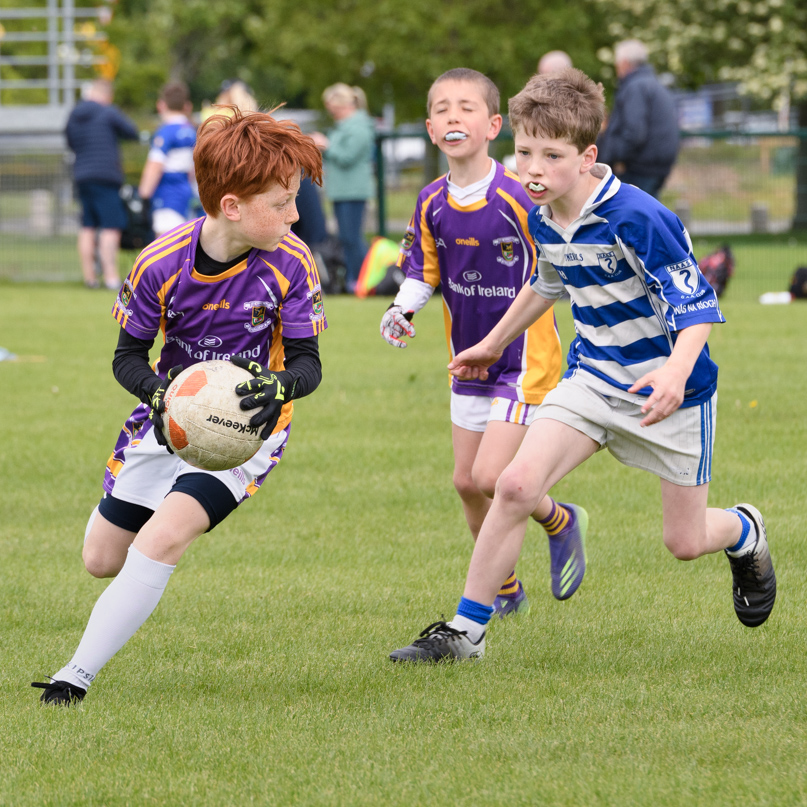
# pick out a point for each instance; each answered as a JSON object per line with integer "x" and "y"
{"x": 640, "y": 380}
{"x": 168, "y": 178}
{"x": 469, "y": 235}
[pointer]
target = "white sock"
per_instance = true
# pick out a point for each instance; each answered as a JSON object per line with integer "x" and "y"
{"x": 744, "y": 545}
{"x": 474, "y": 630}
{"x": 125, "y": 605}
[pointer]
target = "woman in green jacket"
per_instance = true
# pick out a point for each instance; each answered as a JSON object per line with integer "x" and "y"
{"x": 347, "y": 152}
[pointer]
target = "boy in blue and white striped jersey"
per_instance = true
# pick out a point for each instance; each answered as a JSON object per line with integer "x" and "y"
{"x": 640, "y": 380}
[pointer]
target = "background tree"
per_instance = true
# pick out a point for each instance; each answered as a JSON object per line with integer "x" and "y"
{"x": 761, "y": 44}
{"x": 290, "y": 50}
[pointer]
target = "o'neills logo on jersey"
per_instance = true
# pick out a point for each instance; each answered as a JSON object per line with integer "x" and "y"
{"x": 467, "y": 242}
{"x": 222, "y": 303}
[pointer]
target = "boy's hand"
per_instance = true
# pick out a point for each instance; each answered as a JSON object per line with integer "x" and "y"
{"x": 473, "y": 363}
{"x": 266, "y": 390}
{"x": 157, "y": 404}
{"x": 396, "y": 323}
{"x": 668, "y": 383}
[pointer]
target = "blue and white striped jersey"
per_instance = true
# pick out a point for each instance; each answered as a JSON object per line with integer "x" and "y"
{"x": 172, "y": 147}
{"x": 628, "y": 267}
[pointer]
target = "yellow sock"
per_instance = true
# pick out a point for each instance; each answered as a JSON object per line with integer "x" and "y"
{"x": 557, "y": 520}
{"x": 510, "y": 587}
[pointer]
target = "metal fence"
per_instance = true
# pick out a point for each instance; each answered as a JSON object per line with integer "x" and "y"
{"x": 725, "y": 187}
{"x": 39, "y": 214}
{"x": 724, "y": 182}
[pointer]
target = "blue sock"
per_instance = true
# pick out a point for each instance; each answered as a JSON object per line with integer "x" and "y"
{"x": 475, "y": 611}
{"x": 746, "y": 529}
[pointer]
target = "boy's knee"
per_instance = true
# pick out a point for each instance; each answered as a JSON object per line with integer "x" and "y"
{"x": 465, "y": 486}
{"x": 100, "y": 563}
{"x": 516, "y": 492}
{"x": 683, "y": 547}
{"x": 484, "y": 481}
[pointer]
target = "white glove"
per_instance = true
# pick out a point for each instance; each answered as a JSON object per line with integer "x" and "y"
{"x": 395, "y": 323}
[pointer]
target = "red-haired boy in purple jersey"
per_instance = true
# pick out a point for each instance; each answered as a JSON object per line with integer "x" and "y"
{"x": 236, "y": 285}
{"x": 469, "y": 235}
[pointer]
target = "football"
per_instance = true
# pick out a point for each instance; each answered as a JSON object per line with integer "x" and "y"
{"x": 203, "y": 421}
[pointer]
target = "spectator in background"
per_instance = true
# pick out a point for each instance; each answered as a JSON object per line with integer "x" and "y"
{"x": 168, "y": 177}
{"x": 554, "y": 61}
{"x": 640, "y": 142}
{"x": 233, "y": 92}
{"x": 347, "y": 151}
{"x": 93, "y": 129}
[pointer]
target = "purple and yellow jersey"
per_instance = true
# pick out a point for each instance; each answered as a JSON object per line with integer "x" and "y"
{"x": 246, "y": 310}
{"x": 481, "y": 256}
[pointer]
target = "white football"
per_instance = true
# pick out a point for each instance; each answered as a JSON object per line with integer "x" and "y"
{"x": 203, "y": 421}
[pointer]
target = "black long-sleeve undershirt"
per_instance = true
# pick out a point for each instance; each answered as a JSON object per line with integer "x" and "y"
{"x": 301, "y": 376}
{"x": 130, "y": 365}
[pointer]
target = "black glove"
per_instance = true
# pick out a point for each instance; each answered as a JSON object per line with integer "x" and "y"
{"x": 157, "y": 404}
{"x": 268, "y": 390}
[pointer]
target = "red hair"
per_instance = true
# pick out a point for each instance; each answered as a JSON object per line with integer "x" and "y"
{"x": 245, "y": 152}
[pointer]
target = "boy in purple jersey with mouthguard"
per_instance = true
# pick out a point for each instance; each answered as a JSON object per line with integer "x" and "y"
{"x": 234, "y": 285}
{"x": 469, "y": 235}
{"x": 640, "y": 380}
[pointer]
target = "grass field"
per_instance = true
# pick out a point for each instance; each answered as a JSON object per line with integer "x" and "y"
{"x": 262, "y": 676}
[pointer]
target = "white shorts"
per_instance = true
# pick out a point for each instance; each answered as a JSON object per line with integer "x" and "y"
{"x": 474, "y": 412}
{"x": 165, "y": 219}
{"x": 678, "y": 448}
{"x": 148, "y": 471}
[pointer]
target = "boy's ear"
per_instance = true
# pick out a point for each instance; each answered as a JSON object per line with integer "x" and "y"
{"x": 589, "y": 158}
{"x": 230, "y": 207}
{"x": 430, "y": 130}
{"x": 495, "y": 126}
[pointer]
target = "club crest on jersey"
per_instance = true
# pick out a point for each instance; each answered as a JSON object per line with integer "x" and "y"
{"x": 684, "y": 275}
{"x": 126, "y": 292}
{"x": 407, "y": 241}
{"x": 315, "y": 295}
{"x": 259, "y": 315}
{"x": 607, "y": 261}
{"x": 507, "y": 246}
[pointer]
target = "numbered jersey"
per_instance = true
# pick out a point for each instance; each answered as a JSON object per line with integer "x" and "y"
{"x": 628, "y": 266}
{"x": 481, "y": 256}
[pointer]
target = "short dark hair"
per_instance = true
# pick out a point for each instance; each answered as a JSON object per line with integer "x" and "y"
{"x": 567, "y": 105}
{"x": 490, "y": 92}
{"x": 175, "y": 95}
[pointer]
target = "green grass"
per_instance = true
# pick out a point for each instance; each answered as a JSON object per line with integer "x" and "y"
{"x": 262, "y": 677}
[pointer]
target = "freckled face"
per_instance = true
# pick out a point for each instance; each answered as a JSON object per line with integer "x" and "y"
{"x": 266, "y": 218}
